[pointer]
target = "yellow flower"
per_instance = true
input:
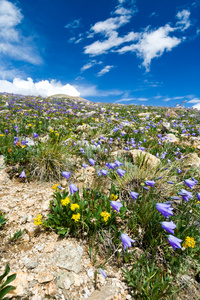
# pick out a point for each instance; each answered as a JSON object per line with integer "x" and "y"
{"x": 65, "y": 201}
{"x": 29, "y": 125}
{"x": 76, "y": 217}
{"x": 55, "y": 187}
{"x": 189, "y": 242}
{"x": 51, "y": 130}
{"x": 74, "y": 206}
{"x": 1, "y": 134}
{"x": 38, "y": 220}
{"x": 105, "y": 216}
{"x": 40, "y": 122}
{"x": 113, "y": 197}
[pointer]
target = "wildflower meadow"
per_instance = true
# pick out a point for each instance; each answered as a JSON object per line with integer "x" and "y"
{"x": 125, "y": 180}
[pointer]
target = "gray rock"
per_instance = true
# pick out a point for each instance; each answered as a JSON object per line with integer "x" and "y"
{"x": 107, "y": 292}
{"x": 165, "y": 127}
{"x": 64, "y": 280}
{"x": 31, "y": 263}
{"x": 69, "y": 257}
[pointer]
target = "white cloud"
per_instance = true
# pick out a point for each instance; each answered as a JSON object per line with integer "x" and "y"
{"x": 13, "y": 44}
{"x": 91, "y": 64}
{"x": 104, "y": 70}
{"x": 114, "y": 40}
{"x": 194, "y": 100}
{"x": 44, "y": 87}
{"x": 73, "y": 24}
{"x": 196, "y": 106}
{"x": 87, "y": 90}
{"x": 153, "y": 43}
{"x": 184, "y": 21}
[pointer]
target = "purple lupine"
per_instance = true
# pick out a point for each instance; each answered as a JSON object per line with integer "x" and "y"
{"x": 174, "y": 241}
{"x": 165, "y": 209}
{"x": 66, "y": 174}
{"x": 121, "y": 172}
{"x": 126, "y": 240}
{"x": 134, "y": 195}
{"x": 116, "y": 205}
{"x": 168, "y": 226}
{"x": 185, "y": 195}
{"x": 73, "y": 188}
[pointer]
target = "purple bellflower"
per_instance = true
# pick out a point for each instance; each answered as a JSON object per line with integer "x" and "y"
{"x": 150, "y": 182}
{"x": 134, "y": 195}
{"x": 66, "y": 174}
{"x": 84, "y": 166}
{"x": 185, "y": 195}
{"x": 174, "y": 241}
{"x": 121, "y": 172}
{"x": 169, "y": 226}
{"x": 92, "y": 161}
{"x": 102, "y": 273}
{"x": 190, "y": 183}
{"x": 126, "y": 240}
{"x": 104, "y": 172}
{"x": 22, "y": 175}
{"x": 73, "y": 188}
{"x": 118, "y": 163}
{"x": 165, "y": 209}
{"x": 116, "y": 205}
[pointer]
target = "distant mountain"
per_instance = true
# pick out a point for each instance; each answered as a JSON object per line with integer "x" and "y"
{"x": 59, "y": 96}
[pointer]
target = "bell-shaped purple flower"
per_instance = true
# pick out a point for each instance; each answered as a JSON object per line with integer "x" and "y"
{"x": 126, "y": 240}
{"x": 116, "y": 205}
{"x": 185, "y": 195}
{"x": 198, "y": 196}
{"x": 22, "y": 175}
{"x": 118, "y": 163}
{"x": 190, "y": 183}
{"x": 35, "y": 135}
{"x": 150, "y": 182}
{"x": 169, "y": 226}
{"x": 121, "y": 172}
{"x": 84, "y": 166}
{"x": 92, "y": 161}
{"x": 102, "y": 273}
{"x": 134, "y": 195}
{"x": 174, "y": 241}
{"x": 104, "y": 172}
{"x": 66, "y": 174}
{"x": 165, "y": 209}
{"x": 73, "y": 188}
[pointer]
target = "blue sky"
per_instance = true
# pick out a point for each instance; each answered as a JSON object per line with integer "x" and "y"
{"x": 123, "y": 51}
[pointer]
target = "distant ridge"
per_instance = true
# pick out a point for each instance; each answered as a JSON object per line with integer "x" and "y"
{"x": 68, "y": 97}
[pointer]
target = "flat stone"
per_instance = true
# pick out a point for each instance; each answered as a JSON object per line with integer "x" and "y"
{"x": 107, "y": 292}
{"x": 69, "y": 257}
{"x": 64, "y": 280}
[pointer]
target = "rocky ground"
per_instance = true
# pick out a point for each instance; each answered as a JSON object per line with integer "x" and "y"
{"x": 46, "y": 266}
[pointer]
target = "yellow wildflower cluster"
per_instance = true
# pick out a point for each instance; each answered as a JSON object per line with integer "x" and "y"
{"x": 189, "y": 242}
{"x": 55, "y": 187}
{"x": 105, "y": 216}
{"x": 65, "y": 201}
{"x": 38, "y": 220}
{"x": 113, "y": 197}
{"x": 74, "y": 206}
{"x": 1, "y": 134}
{"x": 76, "y": 217}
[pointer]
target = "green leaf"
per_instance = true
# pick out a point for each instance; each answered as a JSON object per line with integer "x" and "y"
{"x": 6, "y": 290}
{"x": 7, "y": 270}
{"x": 9, "y": 280}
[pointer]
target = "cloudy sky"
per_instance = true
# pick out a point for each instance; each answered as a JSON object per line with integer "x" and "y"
{"x": 123, "y": 51}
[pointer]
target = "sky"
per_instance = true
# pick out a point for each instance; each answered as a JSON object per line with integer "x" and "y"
{"x": 113, "y": 51}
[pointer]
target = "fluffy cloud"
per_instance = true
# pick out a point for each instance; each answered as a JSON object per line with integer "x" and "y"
{"x": 73, "y": 24}
{"x": 13, "y": 44}
{"x": 104, "y": 70}
{"x": 44, "y": 88}
{"x": 152, "y": 43}
{"x": 147, "y": 44}
{"x": 184, "y": 21}
{"x": 114, "y": 40}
